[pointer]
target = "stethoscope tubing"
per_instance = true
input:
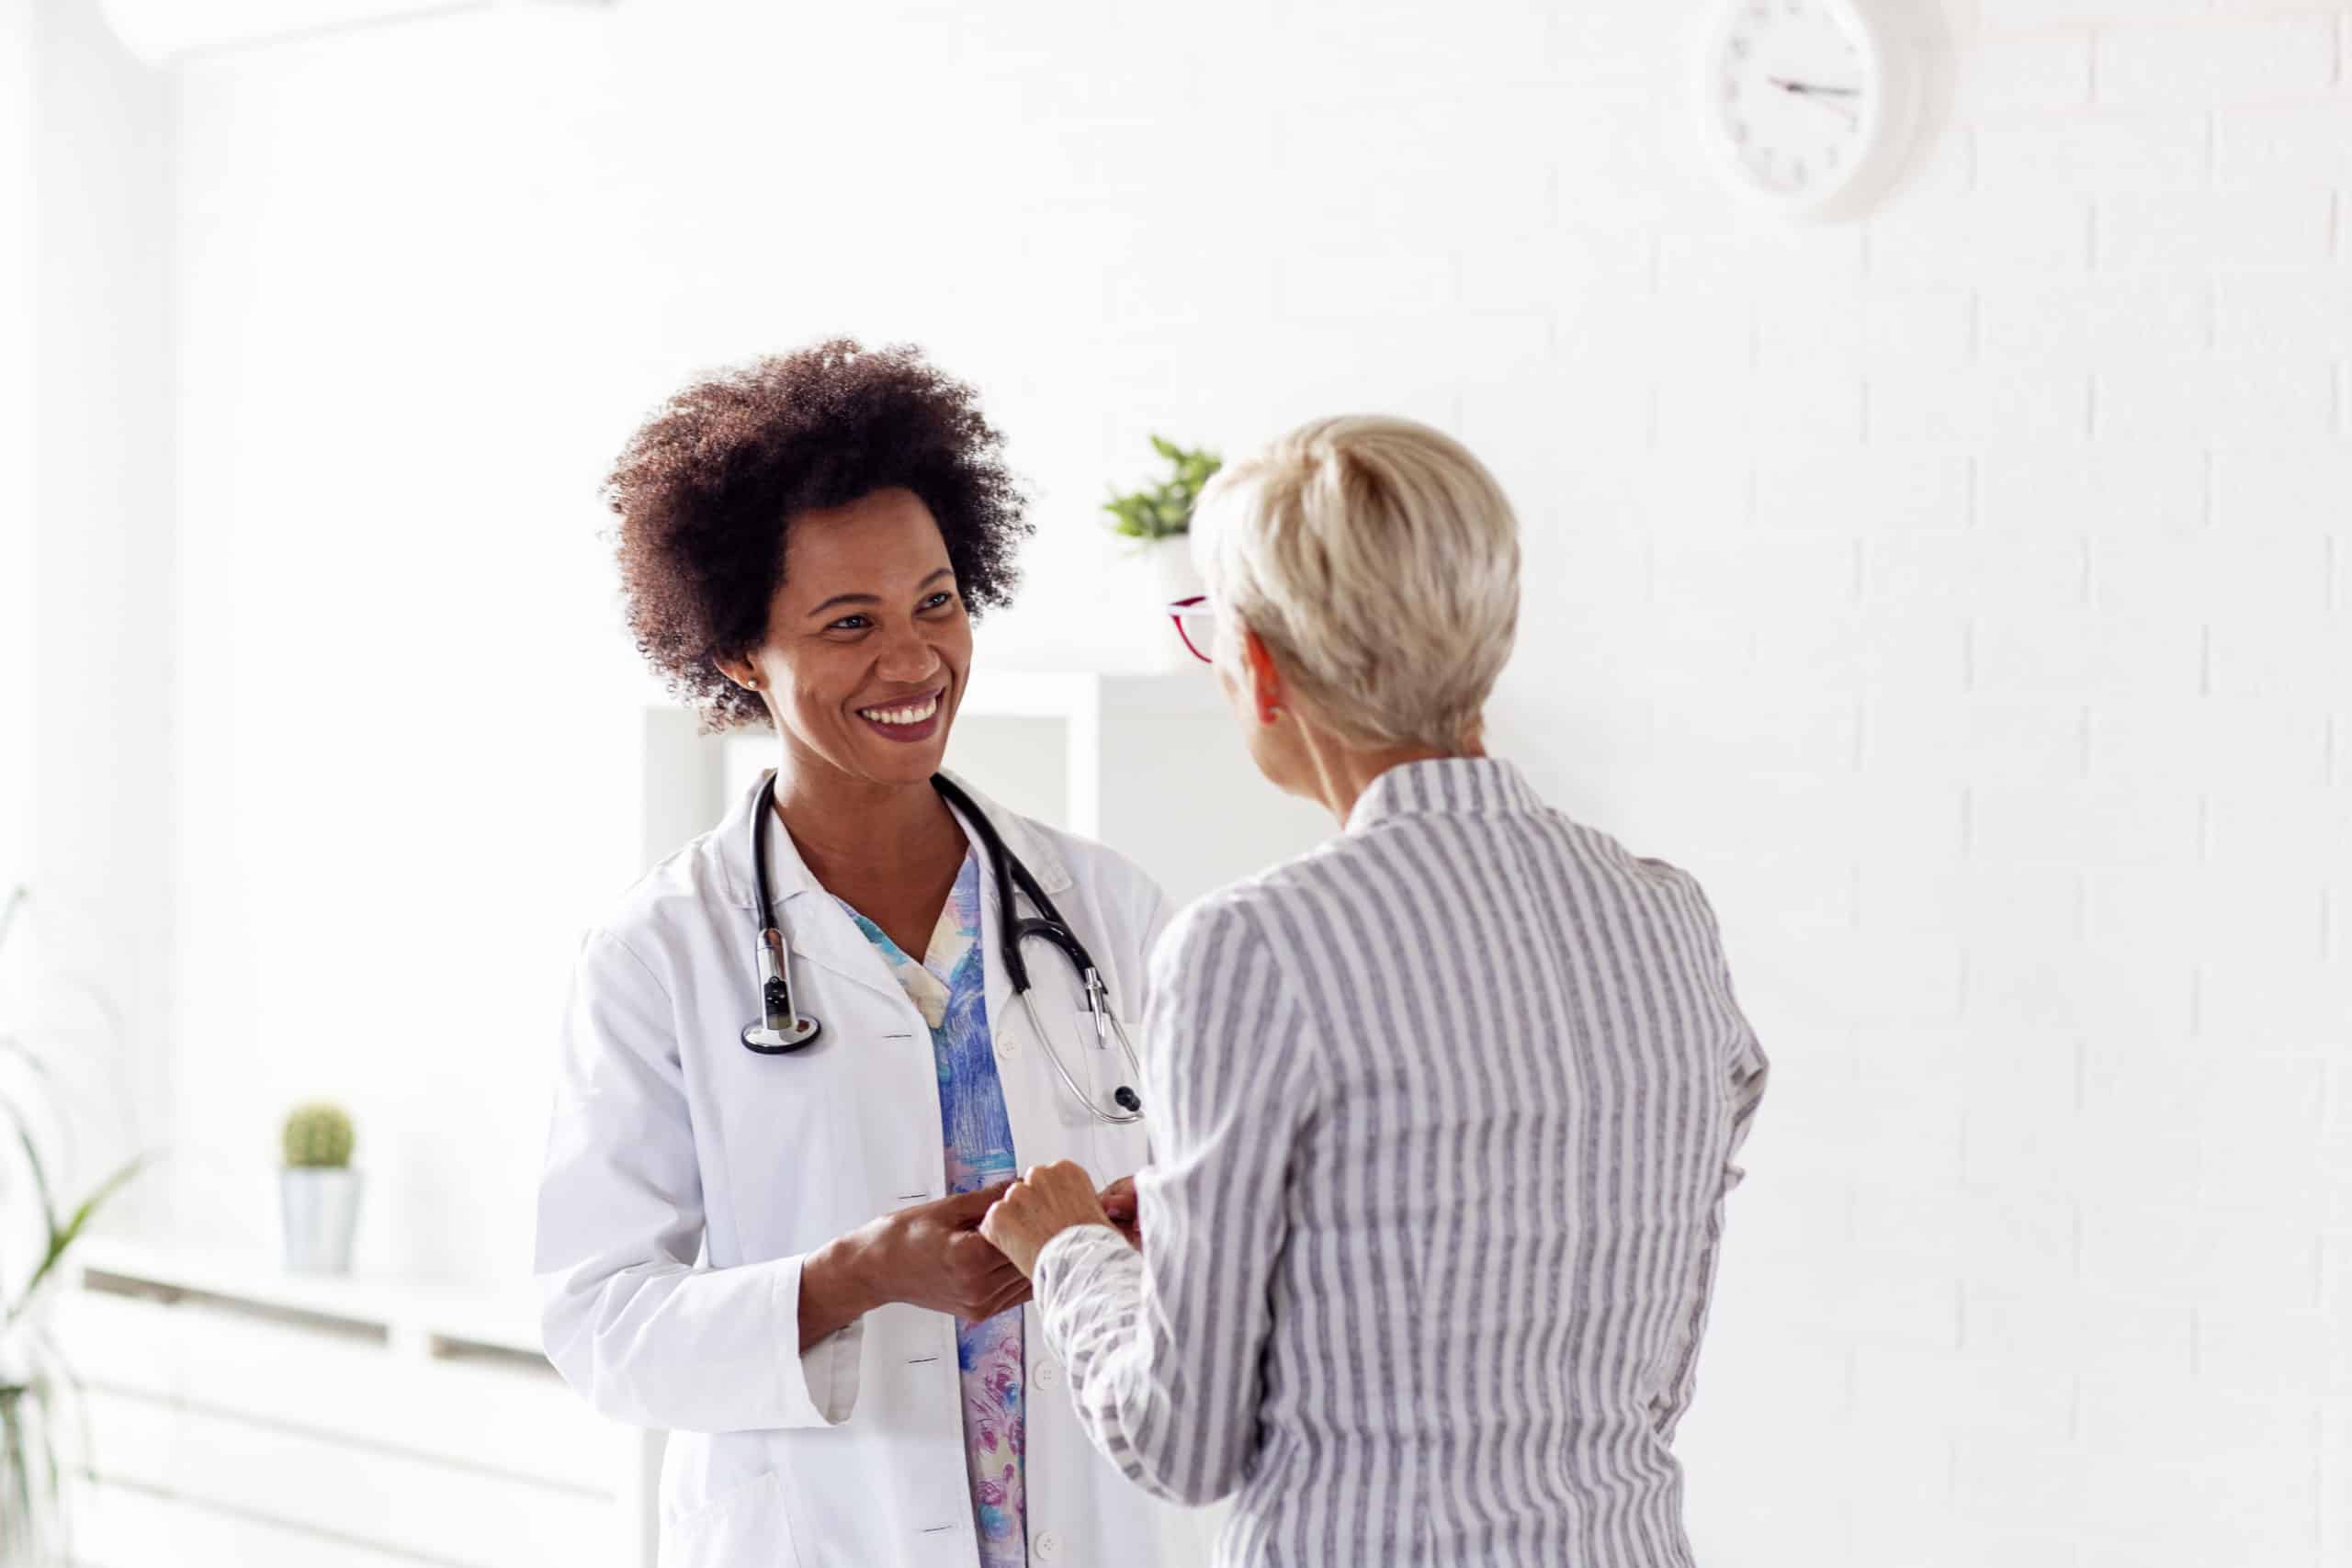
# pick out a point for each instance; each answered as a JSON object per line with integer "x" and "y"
{"x": 781, "y": 1029}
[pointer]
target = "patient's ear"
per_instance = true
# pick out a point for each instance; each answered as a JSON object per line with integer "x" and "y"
{"x": 1265, "y": 678}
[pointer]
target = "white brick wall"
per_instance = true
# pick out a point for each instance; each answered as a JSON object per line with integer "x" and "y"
{"x": 1961, "y": 593}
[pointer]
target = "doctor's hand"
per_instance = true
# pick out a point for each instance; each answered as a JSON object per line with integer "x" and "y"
{"x": 928, "y": 1256}
{"x": 1044, "y": 1202}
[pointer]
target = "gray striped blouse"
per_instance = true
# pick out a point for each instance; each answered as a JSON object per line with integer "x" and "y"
{"x": 1444, "y": 1114}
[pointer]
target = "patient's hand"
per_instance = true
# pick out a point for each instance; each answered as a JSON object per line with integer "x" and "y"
{"x": 1045, "y": 1201}
{"x": 1120, "y": 1207}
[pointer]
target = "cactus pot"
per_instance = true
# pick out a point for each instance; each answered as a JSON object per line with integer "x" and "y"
{"x": 319, "y": 1208}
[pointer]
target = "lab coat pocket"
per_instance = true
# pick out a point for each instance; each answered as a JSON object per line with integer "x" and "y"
{"x": 788, "y": 1132}
{"x": 742, "y": 1527}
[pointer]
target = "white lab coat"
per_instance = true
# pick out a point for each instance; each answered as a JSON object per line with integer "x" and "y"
{"x": 686, "y": 1178}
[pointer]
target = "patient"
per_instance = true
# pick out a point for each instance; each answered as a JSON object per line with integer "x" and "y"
{"x": 1445, "y": 1109}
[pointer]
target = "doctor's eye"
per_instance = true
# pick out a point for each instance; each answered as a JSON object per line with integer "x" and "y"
{"x": 940, "y": 600}
{"x": 850, "y": 623}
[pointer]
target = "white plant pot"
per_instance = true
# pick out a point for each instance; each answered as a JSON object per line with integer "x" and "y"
{"x": 1151, "y": 576}
{"x": 319, "y": 1209}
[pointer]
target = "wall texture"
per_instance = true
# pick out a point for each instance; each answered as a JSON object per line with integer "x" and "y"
{"x": 86, "y": 631}
{"x": 1960, "y": 593}
{"x": 17, "y": 75}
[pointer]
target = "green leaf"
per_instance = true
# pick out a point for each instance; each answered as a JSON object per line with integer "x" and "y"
{"x": 67, "y": 1443}
{"x": 60, "y": 1241}
{"x": 1164, "y": 511}
{"x": 17, "y": 898}
{"x": 24, "y": 1131}
{"x": 17, "y": 1506}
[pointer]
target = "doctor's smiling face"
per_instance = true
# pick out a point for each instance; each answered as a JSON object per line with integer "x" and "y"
{"x": 867, "y": 641}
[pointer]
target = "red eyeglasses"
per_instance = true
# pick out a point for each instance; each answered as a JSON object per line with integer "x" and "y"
{"x": 1200, "y": 636}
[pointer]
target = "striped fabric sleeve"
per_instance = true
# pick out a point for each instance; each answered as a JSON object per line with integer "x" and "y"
{"x": 1745, "y": 1071}
{"x": 1164, "y": 1346}
{"x": 1746, "y": 1066}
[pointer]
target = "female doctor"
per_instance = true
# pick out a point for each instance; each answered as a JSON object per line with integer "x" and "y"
{"x": 789, "y": 1090}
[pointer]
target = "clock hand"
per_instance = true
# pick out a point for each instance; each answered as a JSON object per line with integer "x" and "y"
{"x": 1814, "y": 89}
{"x": 1831, "y": 98}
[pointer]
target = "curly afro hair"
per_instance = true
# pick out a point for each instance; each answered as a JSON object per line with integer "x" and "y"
{"x": 706, "y": 488}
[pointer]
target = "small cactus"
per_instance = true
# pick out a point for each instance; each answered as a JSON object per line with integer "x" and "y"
{"x": 318, "y": 1135}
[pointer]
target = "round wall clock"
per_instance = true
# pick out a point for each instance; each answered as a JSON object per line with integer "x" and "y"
{"x": 1808, "y": 106}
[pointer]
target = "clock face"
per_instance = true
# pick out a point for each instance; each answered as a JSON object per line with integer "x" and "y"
{"x": 1792, "y": 92}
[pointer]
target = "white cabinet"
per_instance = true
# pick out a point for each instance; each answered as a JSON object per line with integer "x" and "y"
{"x": 241, "y": 1417}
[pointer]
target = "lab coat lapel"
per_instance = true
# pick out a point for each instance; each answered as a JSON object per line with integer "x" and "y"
{"x": 823, "y": 937}
{"x": 819, "y": 933}
{"x": 1019, "y": 1070}
{"x": 1024, "y": 1076}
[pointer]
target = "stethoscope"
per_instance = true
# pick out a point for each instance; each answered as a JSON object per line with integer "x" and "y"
{"x": 781, "y": 1029}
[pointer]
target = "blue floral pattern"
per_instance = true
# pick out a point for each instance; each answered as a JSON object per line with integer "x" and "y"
{"x": 947, "y": 989}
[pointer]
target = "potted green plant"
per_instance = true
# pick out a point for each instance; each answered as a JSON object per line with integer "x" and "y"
{"x": 1158, "y": 517}
{"x": 318, "y": 1190}
{"x": 36, "y": 1418}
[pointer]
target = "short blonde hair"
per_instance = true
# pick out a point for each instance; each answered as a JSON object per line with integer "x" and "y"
{"x": 1379, "y": 562}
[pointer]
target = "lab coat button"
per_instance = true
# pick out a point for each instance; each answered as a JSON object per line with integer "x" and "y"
{"x": 1049, "y": 1374}
{"x": 1048, "y": 1545}
{"x": 1008, "y": 1047}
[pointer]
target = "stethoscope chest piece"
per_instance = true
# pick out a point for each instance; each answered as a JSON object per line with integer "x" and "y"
{"x": 781, "y": 1027}
{"x": 777, "y": 1043}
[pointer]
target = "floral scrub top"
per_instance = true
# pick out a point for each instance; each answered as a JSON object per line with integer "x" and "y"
{"x": 946, "y": 990}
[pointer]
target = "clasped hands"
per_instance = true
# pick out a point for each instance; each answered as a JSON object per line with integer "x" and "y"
{"x": 1048, "y": 1200}
{"x": 969, "y": 1255}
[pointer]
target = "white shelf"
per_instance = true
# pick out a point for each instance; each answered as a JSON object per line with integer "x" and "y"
{"x": 1097, "y": 712}
{"x": 1051, "y": 693}
{"x": 415, "y": 1317}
